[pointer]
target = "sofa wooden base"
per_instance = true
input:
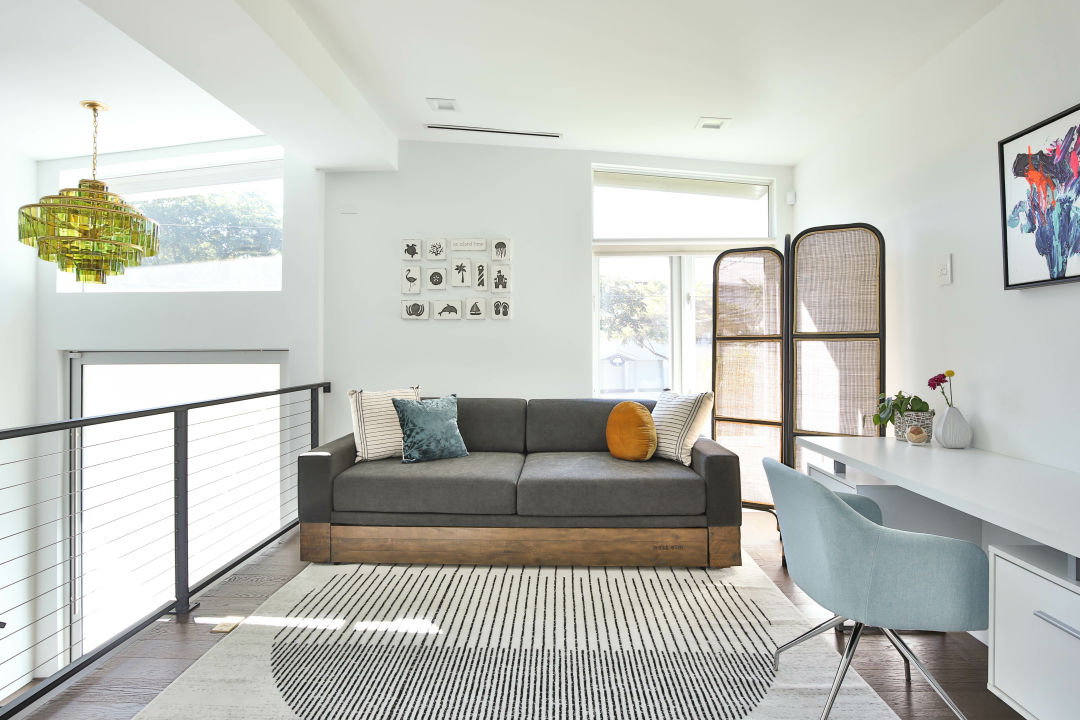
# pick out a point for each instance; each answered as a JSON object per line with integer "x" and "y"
{"x": 681, "y": 547}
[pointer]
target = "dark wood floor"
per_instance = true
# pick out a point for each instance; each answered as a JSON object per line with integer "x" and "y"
{"x": 124, "y": 683}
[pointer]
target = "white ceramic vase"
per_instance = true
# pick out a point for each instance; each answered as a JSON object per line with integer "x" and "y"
{"x": 953, "y": 431}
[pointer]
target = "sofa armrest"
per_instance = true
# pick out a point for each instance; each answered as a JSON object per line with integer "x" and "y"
{"x": 316, "y": 473}
{"x": 723, "y": 490}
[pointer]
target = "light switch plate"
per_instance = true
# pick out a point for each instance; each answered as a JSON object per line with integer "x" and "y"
{"x": 943, "y": 269}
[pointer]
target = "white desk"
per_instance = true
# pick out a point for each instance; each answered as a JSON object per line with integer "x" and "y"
{"x": 1034, "y": 636}
{"x": 1037, "y": 501}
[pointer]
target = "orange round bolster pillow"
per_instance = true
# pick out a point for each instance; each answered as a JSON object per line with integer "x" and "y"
{"x": 631, "y": 433}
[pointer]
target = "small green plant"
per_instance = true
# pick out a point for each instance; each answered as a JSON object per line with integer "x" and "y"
{"x": 894, "y": 407}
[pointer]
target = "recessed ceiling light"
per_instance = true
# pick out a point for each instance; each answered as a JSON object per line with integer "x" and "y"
{"x": 712, "y": 123}
{"x": 449, "y": 104}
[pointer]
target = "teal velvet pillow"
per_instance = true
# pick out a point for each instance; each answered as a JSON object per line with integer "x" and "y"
{"x": 429, "y": 429}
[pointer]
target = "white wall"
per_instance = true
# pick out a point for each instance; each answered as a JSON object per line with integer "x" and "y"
{"x": 17, "y": 372}
{"x": 18, "y": 185}
{"x": 921, "y": 165}
{"x": 541, "y": 199}
{"x": 287, "y": 320}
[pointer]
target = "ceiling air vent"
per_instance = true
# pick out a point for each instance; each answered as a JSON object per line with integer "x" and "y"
{"x": 469, "y": 128}
{"x": 444, "y": 104}
{"x": 712, "y": 123}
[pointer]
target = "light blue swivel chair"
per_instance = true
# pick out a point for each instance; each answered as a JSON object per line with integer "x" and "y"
{"x": 840, "y": 555}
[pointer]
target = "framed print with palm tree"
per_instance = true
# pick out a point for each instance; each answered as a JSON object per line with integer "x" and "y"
{"x": 461, "y": 271}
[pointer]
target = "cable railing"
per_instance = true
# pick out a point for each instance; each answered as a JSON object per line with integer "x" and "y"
{"x": 109, "y": 522}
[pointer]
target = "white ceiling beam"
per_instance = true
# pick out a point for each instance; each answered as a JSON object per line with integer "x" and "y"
{"x": 260, "y": 59}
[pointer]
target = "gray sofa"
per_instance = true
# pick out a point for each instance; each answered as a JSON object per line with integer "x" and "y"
{"x": 538, "y": 487}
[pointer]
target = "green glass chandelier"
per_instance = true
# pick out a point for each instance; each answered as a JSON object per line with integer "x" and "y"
{"x": 88, "y": 230}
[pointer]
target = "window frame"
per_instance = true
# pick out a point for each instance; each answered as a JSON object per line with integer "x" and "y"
{"x": 208, "y": 175}
{"x": 681, "y": 253}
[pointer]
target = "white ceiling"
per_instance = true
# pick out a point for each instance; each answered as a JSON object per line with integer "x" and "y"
{"x": 58, "y": 52}
{"x": 635, "y": 75}
{"x": 615, "y": 75}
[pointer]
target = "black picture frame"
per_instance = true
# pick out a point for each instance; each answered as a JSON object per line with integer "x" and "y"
{"x": 1009, "y": 202}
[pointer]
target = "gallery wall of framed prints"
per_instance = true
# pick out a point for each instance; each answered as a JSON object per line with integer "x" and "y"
{"x": 456, "y": 279}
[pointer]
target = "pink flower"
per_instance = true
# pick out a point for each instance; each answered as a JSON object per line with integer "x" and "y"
{"x": 937, "y": 381}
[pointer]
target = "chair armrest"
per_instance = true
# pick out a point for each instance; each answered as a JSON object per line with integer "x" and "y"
{"x": 927, "y": 582}
{"x": 723, "y": 489}
{"x": 316, "y": 473}
{"x": 862, "y": 505}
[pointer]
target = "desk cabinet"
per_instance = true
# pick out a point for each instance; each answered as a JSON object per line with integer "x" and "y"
{"x": 1034, "y": 633}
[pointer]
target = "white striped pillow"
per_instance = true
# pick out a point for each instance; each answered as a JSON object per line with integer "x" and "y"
{"x": 680, "y": 420}
{"x": 376, "y": 429}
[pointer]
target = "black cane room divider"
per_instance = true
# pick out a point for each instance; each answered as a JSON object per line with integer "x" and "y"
{"x": 799, "y": 345}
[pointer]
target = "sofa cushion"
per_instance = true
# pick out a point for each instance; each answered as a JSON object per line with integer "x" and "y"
{"x": 578, "y": 425}
{"x": 680, "y": 421}
{"x": 595, "y": 483}
{"x": 376, "y": 429}
{"x": 631, "y": 433}
{"x": 478, "y": 484}
{"x": 492, "y": 424}
{"x": 429, "y": 429}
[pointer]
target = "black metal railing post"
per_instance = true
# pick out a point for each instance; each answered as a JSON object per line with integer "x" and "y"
{"x": 314, "y": 418}
{"x": 180, "y": 508}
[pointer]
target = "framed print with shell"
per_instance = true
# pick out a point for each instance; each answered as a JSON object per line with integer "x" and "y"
{"x": 435, "y": 278}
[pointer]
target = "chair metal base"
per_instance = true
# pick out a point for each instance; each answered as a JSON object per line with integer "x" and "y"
{"x": 849, "y": 653}
{"x": 906, "y": 655}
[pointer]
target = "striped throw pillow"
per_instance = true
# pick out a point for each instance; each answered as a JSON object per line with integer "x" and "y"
{"x": 680, "y": 420}
{"x": 376, "y": 429}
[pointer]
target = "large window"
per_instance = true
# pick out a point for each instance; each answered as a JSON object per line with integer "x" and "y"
{"x": 125, "y": 477}
{"x": 220, "y": 230}
{"x": 655, "y": 240}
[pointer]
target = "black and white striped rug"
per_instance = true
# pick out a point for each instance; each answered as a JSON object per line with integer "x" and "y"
{"x": 420, "y": 642}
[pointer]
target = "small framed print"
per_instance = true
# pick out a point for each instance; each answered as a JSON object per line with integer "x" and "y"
{"x": 501, "y": 308}
{"x": 446, "y": 309}
{"x": 500, "y": 278}
{"x": 500, "y": 250}
{"x": 461, "y": 271}
{"x": 410, "y": 278}
{"x": 476, "y": 309}
{"x": 415, "y": 310}
{"x": 411, "y": 249}
{"x": 435, "y": 278}
{"x": 480, "y": 275}
{"x": 468, "y": 245}
{"x": 435, "y": 249}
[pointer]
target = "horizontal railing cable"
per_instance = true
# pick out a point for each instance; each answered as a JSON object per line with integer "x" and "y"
{"x": 82, "y": 447}
{"x": 205, "y": 532}
{"x": 100, "y": 532}
{"x": 278, "y": 406}
{"x": 245, "y": 427}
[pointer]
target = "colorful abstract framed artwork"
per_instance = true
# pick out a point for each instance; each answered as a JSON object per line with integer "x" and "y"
{"x": 1039, "y": 169}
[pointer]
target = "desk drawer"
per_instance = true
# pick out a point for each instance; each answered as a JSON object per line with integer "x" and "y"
{"x": 1035, "y": 642}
